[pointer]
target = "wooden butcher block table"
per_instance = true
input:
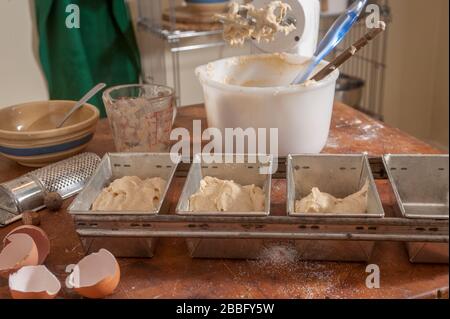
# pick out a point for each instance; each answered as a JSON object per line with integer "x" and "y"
{"x": 171, "y": 273}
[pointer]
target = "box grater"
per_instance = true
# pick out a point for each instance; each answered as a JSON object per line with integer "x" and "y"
{"x": 27, "y": 192}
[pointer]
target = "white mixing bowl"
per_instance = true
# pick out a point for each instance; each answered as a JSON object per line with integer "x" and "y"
{"x": 255, "y": 92}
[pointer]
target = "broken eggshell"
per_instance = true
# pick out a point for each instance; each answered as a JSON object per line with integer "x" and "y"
{"x": 20, "y": 250}
{"x": 95, "y": 276}
{"x": 33, "y": 282}
{"x": 39, "y": 237}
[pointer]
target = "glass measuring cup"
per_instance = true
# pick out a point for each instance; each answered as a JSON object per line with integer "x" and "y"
{"x": 140, "y": 116}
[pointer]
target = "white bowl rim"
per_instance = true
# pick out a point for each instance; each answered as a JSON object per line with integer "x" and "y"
{"x": 201, "y": 71}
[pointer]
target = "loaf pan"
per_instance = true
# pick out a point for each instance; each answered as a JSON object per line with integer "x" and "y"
{"x": 339, "y": 175}
{"x": 245, "y": 173}
{"x": 420, "y": 185}
{"x": 112, "y": 167}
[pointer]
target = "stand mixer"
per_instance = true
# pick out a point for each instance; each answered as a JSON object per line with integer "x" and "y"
{"x": 305, "y": 15}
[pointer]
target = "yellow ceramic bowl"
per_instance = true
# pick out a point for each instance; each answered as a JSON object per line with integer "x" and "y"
{"x": 29, "y": 137}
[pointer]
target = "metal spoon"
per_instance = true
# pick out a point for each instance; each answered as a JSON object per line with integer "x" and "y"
{"x": 81, "y": 102}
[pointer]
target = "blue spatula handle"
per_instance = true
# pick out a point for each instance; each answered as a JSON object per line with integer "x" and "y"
{"x": 334, "y": 36}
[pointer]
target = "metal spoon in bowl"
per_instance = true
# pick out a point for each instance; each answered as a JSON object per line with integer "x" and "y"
{"x": 81, "y": 102}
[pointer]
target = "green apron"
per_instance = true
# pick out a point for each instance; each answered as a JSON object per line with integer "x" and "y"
{"x": 103, "y": 49}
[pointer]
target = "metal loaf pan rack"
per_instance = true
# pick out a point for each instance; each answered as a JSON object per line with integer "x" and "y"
{"x": 420, "y": 185}
{"x": 339, "y": 175}
{"x": 113, "y": 166}
{"x": 278, "y": 225}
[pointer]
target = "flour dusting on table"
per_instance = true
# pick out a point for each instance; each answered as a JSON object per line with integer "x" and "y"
{"x": 369, "y": 132}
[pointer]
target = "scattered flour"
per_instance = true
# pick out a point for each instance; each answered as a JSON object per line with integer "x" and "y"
{"x": 332, "y": 142}
{"x": 369, "y": 132}
{"x": 301, "y": 279}
{"x": 344, "y": 123}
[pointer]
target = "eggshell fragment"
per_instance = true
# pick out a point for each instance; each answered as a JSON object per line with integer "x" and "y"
{"x": 19, "y": 251}
{"x": 95, "y": 276}
{"x": 40, "y": 239}
{"x": 33, "y": 282}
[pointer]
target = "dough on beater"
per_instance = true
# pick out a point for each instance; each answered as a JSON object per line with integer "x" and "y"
{"x": 130, "y": 193}
{"x": 318, "y": 202}
{"x": 265, "y": 22}
{"x": 226, "y": 196}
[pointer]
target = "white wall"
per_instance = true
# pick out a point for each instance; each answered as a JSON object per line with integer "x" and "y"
{"x": 416, "y": 95}
{"x": 439, "y": 121}
{"x": 21, "y": 79}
